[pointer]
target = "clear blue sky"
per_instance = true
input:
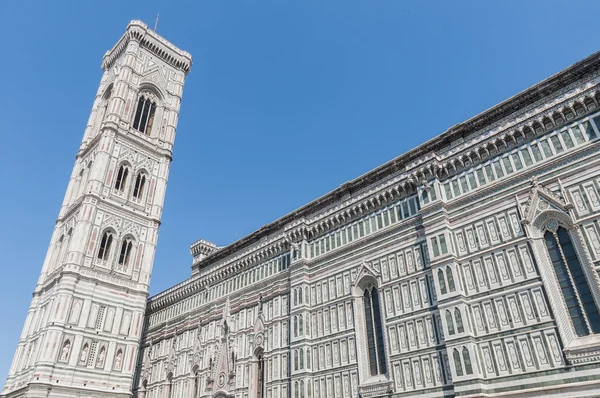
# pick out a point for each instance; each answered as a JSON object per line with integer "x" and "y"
{"x": 286, "y": 101}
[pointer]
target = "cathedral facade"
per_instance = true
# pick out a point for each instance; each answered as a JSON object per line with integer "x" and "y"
{"x": 467, "y": 266}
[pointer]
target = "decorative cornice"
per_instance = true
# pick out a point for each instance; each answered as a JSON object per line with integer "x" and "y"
{"x": 150, "y": 40}
{"x": 408, "y": 169}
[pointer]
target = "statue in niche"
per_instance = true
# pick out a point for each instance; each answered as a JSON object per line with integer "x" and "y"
{"x": 119, "y": 360}
{"x": 101, "y": 357}
{"x": 84, "y": 353}
{"x": 64, "y": 355}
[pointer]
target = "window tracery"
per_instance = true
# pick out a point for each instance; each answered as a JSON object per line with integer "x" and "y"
{"x": 138, "y": 189}
{"x": 105, "y": 245}
{"x": 145, "y": 112}
{"x": 573, "y": 282}
{"x": 375, "y": 343}
{"x": 121, "y": 180}
{"x": 125, "y": 253}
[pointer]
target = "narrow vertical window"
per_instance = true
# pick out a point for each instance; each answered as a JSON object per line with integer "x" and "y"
{"x": 301, "y": 358}
{"x": 441, "y": 281}
{"x": 105, "y": 244}
{"x": 459, "y": 323}
{"x": 260, "y": 376}
{"x": 450, "y": 277}
{"x": 376, "y": 346}
{"x": 467, "y": 360}
{"x": 125, "y": 252}
{"x": 138, "y": 189}
{"x": 296, "y": 360}
{"x": 121, "y": 178}
{"x": 457, "y": 363}
{"x": 450, "y": 322}
{"x": 573, "y": 282}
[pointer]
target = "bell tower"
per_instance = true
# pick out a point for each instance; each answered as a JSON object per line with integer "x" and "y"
{"x": 83, "y": 328}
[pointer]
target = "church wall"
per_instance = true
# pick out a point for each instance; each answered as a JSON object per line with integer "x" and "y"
{"x": 468, "y": 299}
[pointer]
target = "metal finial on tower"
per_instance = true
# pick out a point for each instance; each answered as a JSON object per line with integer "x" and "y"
{"x": 156, "y": 23}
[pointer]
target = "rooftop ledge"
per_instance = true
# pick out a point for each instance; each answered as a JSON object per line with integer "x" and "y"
{"x": 165, "y": 50}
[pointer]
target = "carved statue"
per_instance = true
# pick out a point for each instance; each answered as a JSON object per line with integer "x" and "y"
{"x": 84, "y": 353}
{"x": 65, "y": 351}
{"x": 101, "y": 357}
{"x": 119, "y": 360}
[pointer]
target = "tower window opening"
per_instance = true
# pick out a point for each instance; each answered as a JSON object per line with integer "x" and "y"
{"x": 125, "y": 252}
{"x": 573, "y": 282}
{"x": 376, "y": 347}
{"x": 144, "y": 115}
{"x": 121, "y": 178}
{"x": 105, "y": 244}
{"x": 138, "y": 189}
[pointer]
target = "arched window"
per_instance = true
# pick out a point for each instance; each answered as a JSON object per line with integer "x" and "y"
{"x": 121, "y": 178}
{"x": 138, "y": 188}
{"x": 125, "y": 252}
{"x": 295, "y": 297}
{"x": 457, "y": 364}
{"x": 301, "y": 324}
{"x": 308, "y": 358}
{"x": 301, "y": 366}
{"x": 377, "y": 361}
{"x": 105, "y": 244}
{"x": 449, "y": 322}
{"x": 573, "y": 282}
{"x": 169, "y": 385}
{"x": 459, "y": 323}
{"x": 144, "y": 114}
{"x": 196, "y": 382}
{"x": 450, "y": 276}
{"x": 296, "y": 360}
{"x": 301, "y": 388}
{"x": 297, "y": 390}
{"x": 442, "y": 281}
{"x": 260, "y": 377}
{"x": 467, "y": 360}
{"x": 295, "y": 326}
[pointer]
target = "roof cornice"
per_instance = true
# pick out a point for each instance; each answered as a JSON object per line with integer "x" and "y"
{"x": 153, "y": 42}
{"x": 462, "y": 130}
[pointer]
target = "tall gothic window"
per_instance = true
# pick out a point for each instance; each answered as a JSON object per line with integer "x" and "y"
{"x": 450, "y": 277}
{"x": 138, "y": 188}
{"x": 105, "y": 244}
{"x": 450, "y": 322}
{"x": 459, "y": 323}
{"x": 260, "y": 377}
{"x": 377, "y": 362}
{"x": 442, "y": 281}
{"x": 121, "y": 178}
{"x": 125, "y": 252}
{"x": 457, "y": 363}
{"x": 144, "y": 115}
{"x": 573, "y": 282}
{"x": 467, "y": 360}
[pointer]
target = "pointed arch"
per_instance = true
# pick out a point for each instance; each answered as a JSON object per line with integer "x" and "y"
{"x": 459, "y": 322}
{"x": 449, "y": 322}
{"x": 467, "y": 361}
{"x": 105, "y": 245}
{"x": 450, "y": 277}
{"x": 457, "y": 363}
{"x": 441, "y": 281}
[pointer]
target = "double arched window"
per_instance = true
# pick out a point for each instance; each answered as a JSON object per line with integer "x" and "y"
{"x": 144, "y": 114}
{"x": 573, "y": 282}
{"x": 121, "y": 180}
{"x": 138, "y": 188}
{"x": 461, "y": 370}
{"x": 451, "y": 286}
{"x": 105, "y": 246}
{"x": 376, "y": 346}
{"x": 125, "y": 252}
{"x": 455, "y": 325}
